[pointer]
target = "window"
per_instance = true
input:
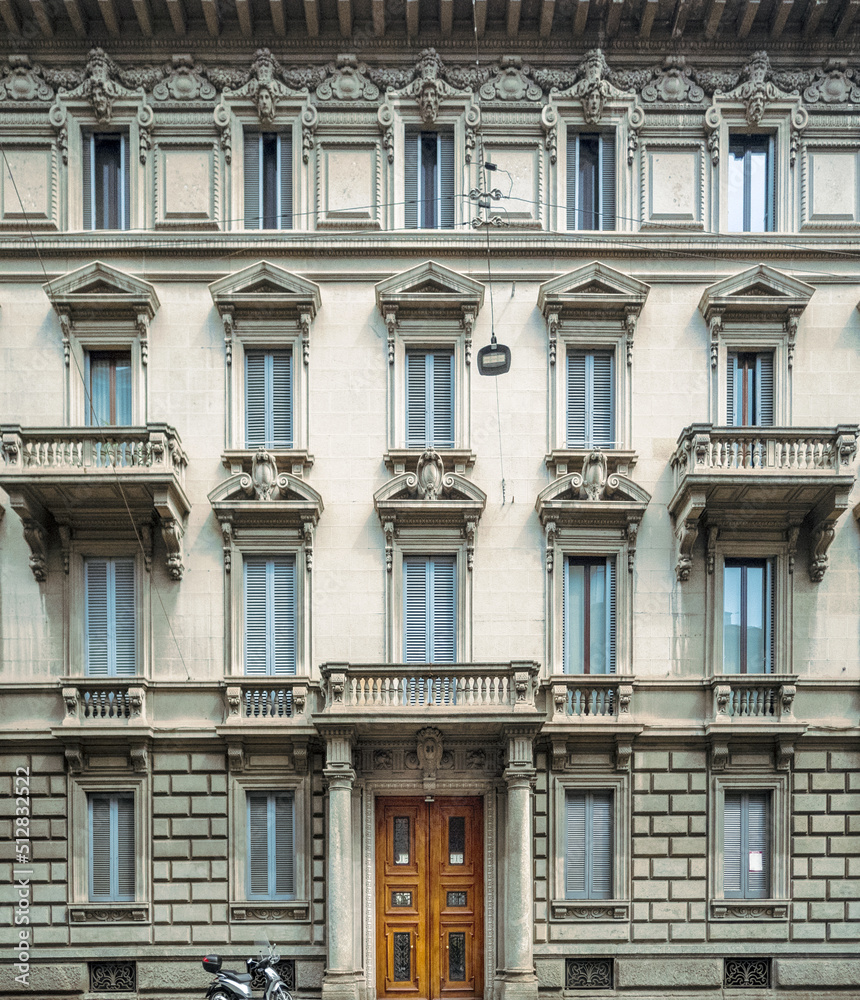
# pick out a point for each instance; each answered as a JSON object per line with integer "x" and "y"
{"x": 748, "y": 602}
{"x": 268, "y": 399}
{"x": 429, "y": 168}
{"x": 268, "y": 180}
{"x": 588, "y": 845}
{"x": 749, "y": 389}
{"x": 590, "y": 399}
{"x": 112, "y": 857}
{"x": 106, "y": 180}
{"x": 429, "y": 399}
{"x": 429, "y": 609}
{"x": 270, "y": 616}
{"x": 109, "y": 388}
{"x": 271, "y": 845}
{"x": 746, "y": 848}
{"x": 589, "y": 615}
{"x": 110, "y": 616}
{"x": 750, "y": 193}
{"x": 591, "y": 180}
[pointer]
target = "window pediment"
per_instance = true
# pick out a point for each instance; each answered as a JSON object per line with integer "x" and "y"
{"x": 266, "y": 291}
{"x": 99, "y": 291}
{"x": 593, "y": 291}
{"x": 430, "y": 497}
{"x": 429, "y": 290}
{"x": 760, "y": 293}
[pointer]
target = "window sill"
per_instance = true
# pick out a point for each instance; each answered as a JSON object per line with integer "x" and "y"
{"x": 561, "y": 461}
{"x": 109, "y": 913}
{"x": 269, "y": 909}
{"x": 749, "y": 909}
{"x": 296, "y": 461}
{"x": 591, "y": 910}
{"x": 400, "y": 460}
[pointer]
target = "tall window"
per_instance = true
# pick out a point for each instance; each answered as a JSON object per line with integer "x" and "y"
{"x": 106, "y": 177}
{"x": 268, "y": 180}
{"x": 109, "y": 597}
{"x": 746, "y": 845}
{"x": 591, "y": 180}
{"x": 429, "y": 177}
{"x": 268, "y": 399}
{"x": 590, "y": 399}
{"x": 748, "y": 616}
{"x": 589, "y": 615}
{"x": 271, "y": 845}
{"x": 749, "y": 383}
{"x": 588, "y": 845}
{"x": 270, "y": 616}
{"x": 429, "y": 399}
{"x": 751, "y": 186}
{"x": 109, "y": 388}
{"x": 429, "y": 609}
{"x": 111, "y": 821}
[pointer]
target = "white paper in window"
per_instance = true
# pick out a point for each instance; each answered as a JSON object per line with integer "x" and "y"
{"x": 756, "y": 861}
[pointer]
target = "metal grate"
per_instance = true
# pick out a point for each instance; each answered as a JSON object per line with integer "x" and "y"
{"x": 746, "y": 973}
{"x": 588, "y": 974}
{"x": 286, "y": 969}
{"x": 113, "y": 977}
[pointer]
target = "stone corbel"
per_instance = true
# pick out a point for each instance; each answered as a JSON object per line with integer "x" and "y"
{"x": 300, "y": 758}
{"x": 65, "y": 533}
{"x": 553, "y": 324}
{"x": 59, "y": 119}
{"x": 337, "y": 685}
{"x": 310, "y": 120}
{"x": 473, "y": 125}
{"x": 550, "y": 530}
{"x": 227, "y": 541}
{"x": 630, "y": 321}
{"x": 469, "y": 529}
{"x": 142, "y": 327}
{"x": 722, "y": 697}
{"x": 791, "y": 536}
{"x": 388, "y": 531}
{"x": 783, "y": 752}
{"x": 304, "y": 324}
{"x": 222, "y": 118}
{"x": 235, "y": 757}
{"x": 549, "y": 123}
{"x": 468, "y": 323}
{"x": 799, "y": 121}
{"x": 145, "y": 121}
{"x": 686, "y": 534}
{"x": 75, "y": 760}
{"x": 139, "y": 756}
{"x": 36, "y": 537}
{"x": 822, "y": 538}
{"x": 559, "y": 747}
{"x": 716, "y": 328}
{"x": 136, "y": 702}
{"x": 172, "y": 532}
{"x": 385, "y": 120}
{"x": 300, "y": 698}
{"x": 711, "y": 549}
{"x": 635, "y": 121}
{"x": 631, "y": 533}
{"x": 70, "y": 701}
{"x": 791, "y": 323}
{"x": 713, "y": 120}
{"x": 623, "y": 753}
{"x": 391, "y": 326}
{"x": 233, "y": 698}
{"x": 229, "y": 329}
{"x": 308, "y": 544}
{"x": 625, "y": 698}
{"x": 787, "y": 693}
{"x": 66, "y": 327}
{"x": 719, "y": 756}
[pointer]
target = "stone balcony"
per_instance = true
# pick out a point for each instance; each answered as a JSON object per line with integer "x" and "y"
{"x": 113, "y": 480}
{"x": 761, "y": 479}
{"x": 747, "y": 699}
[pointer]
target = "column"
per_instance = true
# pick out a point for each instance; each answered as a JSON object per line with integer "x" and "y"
{"x": 339, "y": 982}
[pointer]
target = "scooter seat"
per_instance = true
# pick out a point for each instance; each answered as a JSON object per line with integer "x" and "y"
{"x": 239, "y": 977}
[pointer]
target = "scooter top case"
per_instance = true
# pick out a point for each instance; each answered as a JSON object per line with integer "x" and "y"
{"x": 212, "y": 963}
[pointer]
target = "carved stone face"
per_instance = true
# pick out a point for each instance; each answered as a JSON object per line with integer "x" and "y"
{"x": 755, "y": 109}
{"x": 101, "y": 103}
{"x": 592, "y": 105}
{"x": 265, "y": 104}
{"x": 428, "y": 104}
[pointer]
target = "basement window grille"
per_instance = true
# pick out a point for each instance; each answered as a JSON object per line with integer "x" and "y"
{"x": 588, "y": 974}
{"x": 746, "y": 973}
{"x": 286, "y": 969}
{"x": 113, "y": 977}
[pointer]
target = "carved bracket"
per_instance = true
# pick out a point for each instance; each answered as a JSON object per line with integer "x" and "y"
{"x": 36, "y": 537}
{"x": 385, "y": 120}
{"x": 469, "y": 529}
{"x": 75, "y": 760}
{"x": 711, "y": 549}
{"x": 549, "y": 124}
{"x": 139, "y": 757}
{"x": 388, "y": 530}
{"x": 791, "y": 536}
{"x": 784, "y": 754}
{"x": 623, "y": 754}
{"x": 308, "y": 544}
{"x": 142, "y": 327}
{"x": 551, "y": 531}
{"x": 310, "y": 120}
{"x": 227, "y": 541}
{"x": 468, "y": 323}
{"x": 229, "y": 330}
{"x": 559, "y": 743}
{"x": 172, "y": 532}
{"x": 235, "y": 757}
{"x": 719, "y": 756}
{"x": 304, "y": 324}
{"x": 716, "y": 329}
{"x": 686, "y": 534}
{"x": 391, "y": 327}
{"x": 822, "y": 538}
{"x": 223, "y": 122}
{"x": 553, "y": 323}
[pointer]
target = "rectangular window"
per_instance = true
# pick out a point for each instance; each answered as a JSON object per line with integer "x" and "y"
{"x": 749, "y": 384}
{"x": 748, "y": 616}
{"x": 746, "y": 845}
{"x": 268, "y": 399}
{"x": 429, "y": 179}
{"x": 268, "y": 180}
{"x": 270, "y": 616}
{"x": 430, "y": 609}
{"x": 588, "y": 845}
{"x": 110, "y": 617}
{"x": 111, "y": 821}
{"x": 751, "y": 184}
{"x": 591, "y": 180}
{"x": 590, "y": 399}
{"x": 271, "y": 845}
{"x": 429, "y": 399}
{"x": 106, "y": 181}
{"x": 589, "y": 615}
{"x": 109, "y": 388}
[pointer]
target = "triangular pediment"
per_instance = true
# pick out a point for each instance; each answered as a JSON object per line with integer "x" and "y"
{"x": 429, "y": 286}
{"x": 98, "y": 287}
{"x": 593, "y": 286}
{"x": 265, "y": 286}
{"x": 594, "y": 500}
{"x": 761, "y": 290}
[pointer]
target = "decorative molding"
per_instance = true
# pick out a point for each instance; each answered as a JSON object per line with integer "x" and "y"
{"x": 571, "y": 910}
{"x": 264, "y": 913}
{"x": 98, "y": 913}
{"x": 731, "y": 909}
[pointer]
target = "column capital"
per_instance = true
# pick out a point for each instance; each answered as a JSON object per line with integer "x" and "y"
{"x": 519, "y": 776}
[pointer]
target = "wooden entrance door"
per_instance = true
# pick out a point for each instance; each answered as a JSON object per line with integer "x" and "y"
{"x": 429, "y": 898}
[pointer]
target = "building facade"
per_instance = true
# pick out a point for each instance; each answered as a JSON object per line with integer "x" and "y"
{"x": 537, "y": 685}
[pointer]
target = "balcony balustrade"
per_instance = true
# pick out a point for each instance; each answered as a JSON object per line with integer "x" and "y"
{"x": 104, "y": 701}
{"x": 589, "y": 697}
{"x": 768, "y": 697}
{"x": 265, "y": 700}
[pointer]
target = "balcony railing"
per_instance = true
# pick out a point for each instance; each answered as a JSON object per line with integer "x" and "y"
{"x": 266, "y": 699}
{"x": 754, "y": 696}
{"x": 104, "y": 701}
{"x": 589, "y": 697}
{"x": 434, "y": 688}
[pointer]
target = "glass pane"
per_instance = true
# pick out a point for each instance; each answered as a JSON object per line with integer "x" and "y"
{"x": 575, "y": 635}
{"x": 401, "y": 898}
{"x": 456, "y": 899}
{"x": 597, "y": 619}
{"x": 402, "y": 957}
{"x": 107, "y": 180}
{"x": 755, "y": 619}
{"x": 588, "y": 182}
{"x": 401, "y": 840}
{"x": 457, "y": 957}
{"x": 736, "y": 191}
{"x": 456, "y": 840}
{"x": 758, "y": 191}
{"x": 732, "y": 620}
{"x": 100, "y": 371}
{"x": 123, "y": 391}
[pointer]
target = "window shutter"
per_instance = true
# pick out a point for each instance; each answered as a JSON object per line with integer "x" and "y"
{"x": 98, "y": 412}
{"x": 611, "y": 618}
{"x": 602, "y": 399}
{"x": 281, "y": 400}
{"x": 124, "y": 207}
{"x": 416, "y": 399}
{"x": 412, "y": 141}
{"x": 253, "y": 194}
{"x": 122, "y": 367}
{"x": 285, "y": 882}
{"x": 764, "y": 389}
{"x": 255, "y": 617}
{"x": 443, "y": 612}
{"x": 88, "y": 169}
{"x": 758, "y": 883}
{"x": 575, "y": 881}
{"x": 601, "y": 845}
{"x": 446, "y": 180}
{"x": 416, "y": 644}
{"x": 572, "y": 179}
{"x": 96, "y": 600}
{"x": 255, "y": 399}
{"x": 124, "y": 617}
{"x": 731, "y": 382}
{"x": 282, "y": 657}
{"x": 100, "y": 847}
{"x": 258, "y": 845}
{"x": 573, "y": 611}
{"x": 125, "y": 846}
{"x": 576, "y": 431}
{"x": 607, "y": 180}
{"x": 732, "y": 871}
{"x": 285, "y": 180}
{"x": 442, "y": 431}
{"x": 769, "y": 617}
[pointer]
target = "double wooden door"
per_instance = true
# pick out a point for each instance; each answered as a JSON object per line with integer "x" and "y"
{"x": 429, "y": 897}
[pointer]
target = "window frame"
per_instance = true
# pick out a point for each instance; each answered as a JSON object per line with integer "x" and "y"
{"x": 733, "y": 337}
{"x": 589, "y": 352}
{"x": 589, "y": 339}
{"x": 269, "y": 896}
{"x": 111, "y": 653}
{"x": 429, "y": 558}
{"x": 266, "y": 559}
{"x": 748, "y": 140}
{"x": 112, "y": 897}
{"x": 124, "y": 208}
{"x": 589, "y": 841}
{"x": 269, "y": 444}
{"x": 429, "y": 392}
{"x": 745, "y": 563}
{"x": 744, "y": 795}
{"x": 415, "y": 132}
{"x": 113, "y": 356}
{"x": 588, "y": 561}
{"x": 249, "y": 131}
{"x": 573, "y": 143}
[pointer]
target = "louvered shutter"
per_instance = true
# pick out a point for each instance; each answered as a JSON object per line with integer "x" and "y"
{"x": 443, "y": 611}
{"x": 253, "y": 193}
{"x": 732, "y": 846}
{"x": 88, "y": 171}
{"x": 769, "y": 617}
{"x": 282, "y": 654}
{"x": 97, "y": 635}
{"x": 601, "y": 399}
{"x": 258, "y": 845}
{"x": 255, "y": 399}
{"x": 285, "y": 882}
{"x": 416, "y": 638}
{"x": 588, "y": 845}
{"x": 412, "y": 141}
{"x": 607, "y": 180}
{"x": 256, "y": 625}
{"x": 281, "y": 403}
{"x": 757, "y": 836}
{"x": 125, "y": 852}
{"x": 731, "y": 382}
{"x": 612, "y": 617}
{"x": 416, "y": 399}
{"x": 446, "y": 180}
{"x": 100, "y": 843}
{"x": 764, "y": 389}
{"x": 123, "y": 192}
{"x": 124, "y": 617}
{"x": 575, "y": 853}
{"x": 442, "y": 401}
{"x": 572, "y": 179}
{"x": 601, "y": 845}
{"x": 576, "y": 403}
{"x": 112, "y": 854}
{"x": 285, "y": 180}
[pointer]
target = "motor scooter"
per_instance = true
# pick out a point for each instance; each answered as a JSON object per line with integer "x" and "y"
{"x": 230, "y": 985}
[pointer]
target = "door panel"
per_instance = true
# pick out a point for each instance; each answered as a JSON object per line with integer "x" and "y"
{"x": 429, "y": 891}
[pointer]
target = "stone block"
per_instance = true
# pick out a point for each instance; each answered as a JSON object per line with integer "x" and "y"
{"x": 171, "y": 848}
{"x": 550, "y": 972}
{"x": 650, "y": 889}
{"x": 848, "y": 931}
{"x": 190, "y": 828}
{"x": 844, "y": 845}
{"x": 669, "y": 867}
{"x": 845, "y": 760}
{"x": 800, "y": 824}
{"x": 828, "y": 866}
{"x": 803, "y": 888}
{"x": 799, "y": 973}
{"x": 824, "y": 781}
{"x": 194, "y": 784}
{"x": 171, "y": 892}
{"x": 689, "y": 846}
{"x": 810, "y": 803}
{"x": 209, "y": 847}
{"x": 641, "y": 826}
{"x": 689, "y": 803}
{"x": 687, "y": 932}
{"x": 847, "y": 803}
{"x": 650, "y": 803}
{"x": 650, "y": 845}
{"x": 218, "y": 784}
{"x": 212, "y": 763}
{"x": 218, "y": 826}
{"x": 209, "y": 892}
{"x": 669, "y": 824}
{"x": 171, "y": 762}
{"x": 740, "y": 931}
{"x": 161, "y": 784}
{"x": 651, "y": 760}
{"x": 650, "y": 932}
{"x": 174, "y": 805}
{"x": 660, "y": 974}
{"x": 810, "y": 760}
{"x": 191, "y": 870}
{"x": 641, "y": 867}
{"x": 809, "y": 845}
{"x": 808, "y": 932}
{"x": 844, "y": 888}
{"x": 826, "y": 911}
{"x": 674, "y": 781}
{"x": 688, "y": 760}
{"x": 668, "y": 911}
{"x": 688, "y": 889}
{"x": 193, "y": 913}
{"x": 698, "y": 824}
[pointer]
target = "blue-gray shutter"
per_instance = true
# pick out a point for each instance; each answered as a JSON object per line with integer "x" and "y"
{"x": 446, "y": 180}
{"x": 96, "y": 643}
{"x": 590, "y": 399}
{"x": 124, "y": 208}
{"x": 271, "y": 846}
{"x": 612, "y": 617}
{"x": 757, "y": 828}
{"x": 412, "y": 141}
{"x": 429, "y": 609}
{"x": 270, "y": 617}
{"x": 769, "y": 617}
{"x": 281, "y": 406}
{"x": 746, "y": 828}
{"x": 443, "y": 400}
{"x": 253, "y": 194}
{"x": 100, "y": 853}
{"x": 88, "y": 167}
{"x": 572, "y": 179}
{"x": 443, "y": 614}
{"x": 255, "y": 399}
{"x": 124, "y": 617}
{"x": 285, "y": 876}
{"x": 415, "y": 645}
{"x": 588, "y": 845}
{"x": 602, "y": 398}
{"x": 732, "y": 846}
{"x": 731, "y": 382}
{"x": 109, "y": 609}
{"x": 269, "y": 399}
{"x": 416, "y": 399}
{"x": 607, "y": 180}
{"x": 256, "y": 626}
{"x": 429, "y": 399}
{"x": 576, "y": 403}
{"x": 764, "y": 389}
{"x": 285, "y": 179}
{"x": 112, "y": 854}
{"x": 125, "y": 853}
{"x": 258, "y": 846}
